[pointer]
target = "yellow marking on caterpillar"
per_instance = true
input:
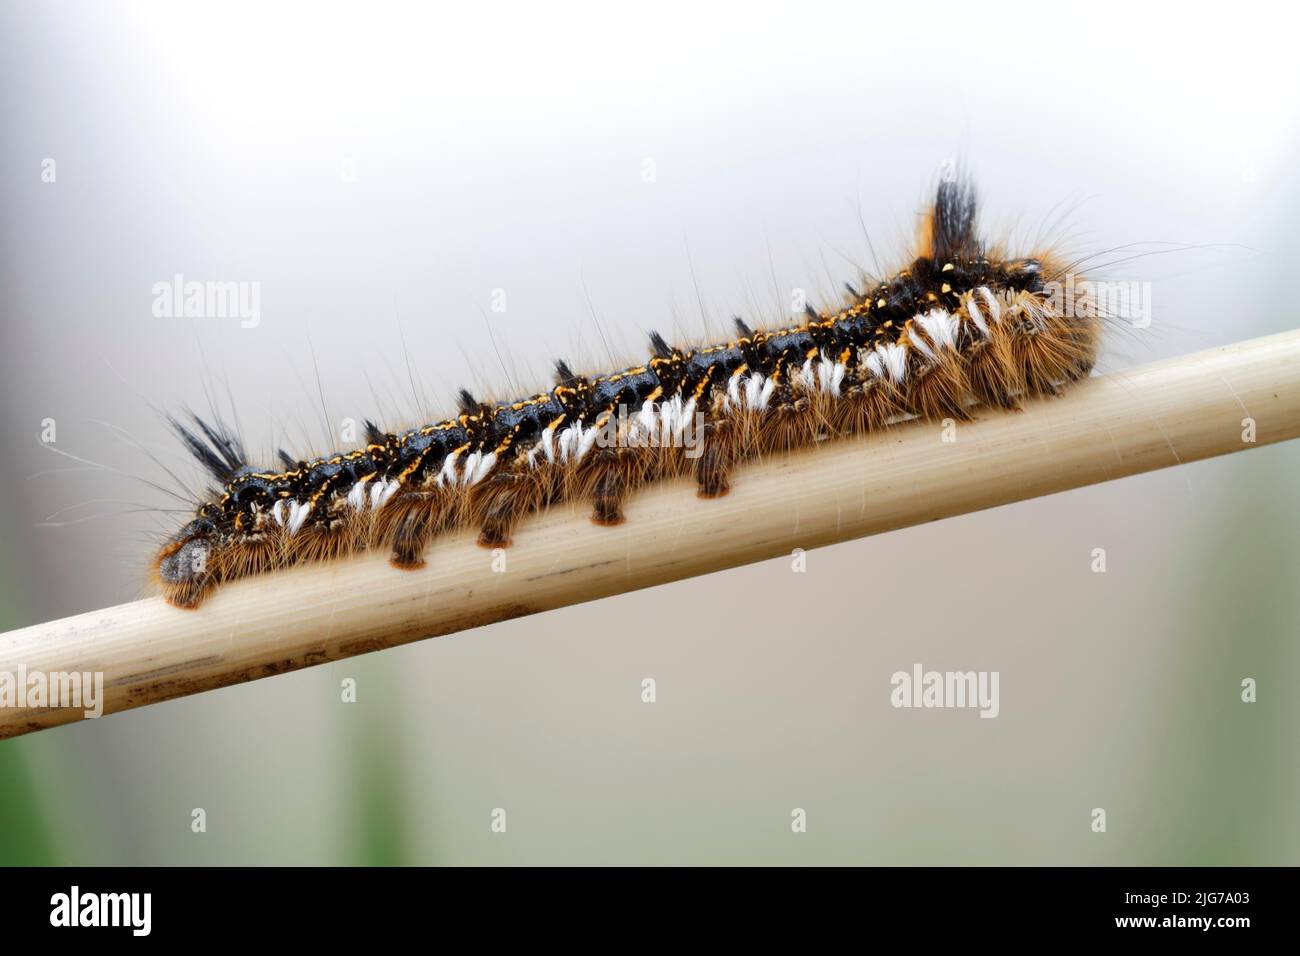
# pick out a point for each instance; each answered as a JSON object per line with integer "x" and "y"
{"x": 704, "y": 382}
{"x": 640, "y": 369}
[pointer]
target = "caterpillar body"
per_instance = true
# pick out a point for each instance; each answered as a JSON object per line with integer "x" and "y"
{"x": 963, "y": 324}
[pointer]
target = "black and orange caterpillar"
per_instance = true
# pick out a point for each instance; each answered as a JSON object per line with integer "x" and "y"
{"x": 963, "y": 324}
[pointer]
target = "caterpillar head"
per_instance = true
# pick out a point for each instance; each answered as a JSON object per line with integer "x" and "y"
{"x": 185, "y": 563}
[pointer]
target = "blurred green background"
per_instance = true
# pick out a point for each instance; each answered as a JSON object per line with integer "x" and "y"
{"x": 369, "y": 186}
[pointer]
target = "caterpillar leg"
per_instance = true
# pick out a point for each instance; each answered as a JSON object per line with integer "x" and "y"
{"x": 713, "y": 467}
{"x": 939, "y": 391}
{"x": 502, "y": 499}
{"x": 607, "y": 499}
{"x": 866, "y": 403}
{"x": 333, "y": 536}
{"x": 608, "y": 476}
{"x": 994, "y": 376}
{"x": 407, "y": 523}
{"x": 410, "y": 536}
{"x": 1051, "y": 349}
{"x": 789, "y": 422}
{"x": 938, "y": 383}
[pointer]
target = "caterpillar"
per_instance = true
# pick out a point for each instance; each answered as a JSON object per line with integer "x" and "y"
{"x": 964, "y": 324}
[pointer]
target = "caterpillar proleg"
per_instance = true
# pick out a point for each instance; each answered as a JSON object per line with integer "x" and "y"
{"x": 964, "y": 323}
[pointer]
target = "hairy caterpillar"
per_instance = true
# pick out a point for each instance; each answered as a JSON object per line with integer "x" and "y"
{"x": 963, "y": 324}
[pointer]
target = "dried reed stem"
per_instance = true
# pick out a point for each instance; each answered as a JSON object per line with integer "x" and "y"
{"x": 1152, "y": 417}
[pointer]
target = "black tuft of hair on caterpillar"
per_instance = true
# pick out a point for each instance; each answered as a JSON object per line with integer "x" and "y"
{"x": 954, "y": 228}
{"x": 216, "y": 447}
